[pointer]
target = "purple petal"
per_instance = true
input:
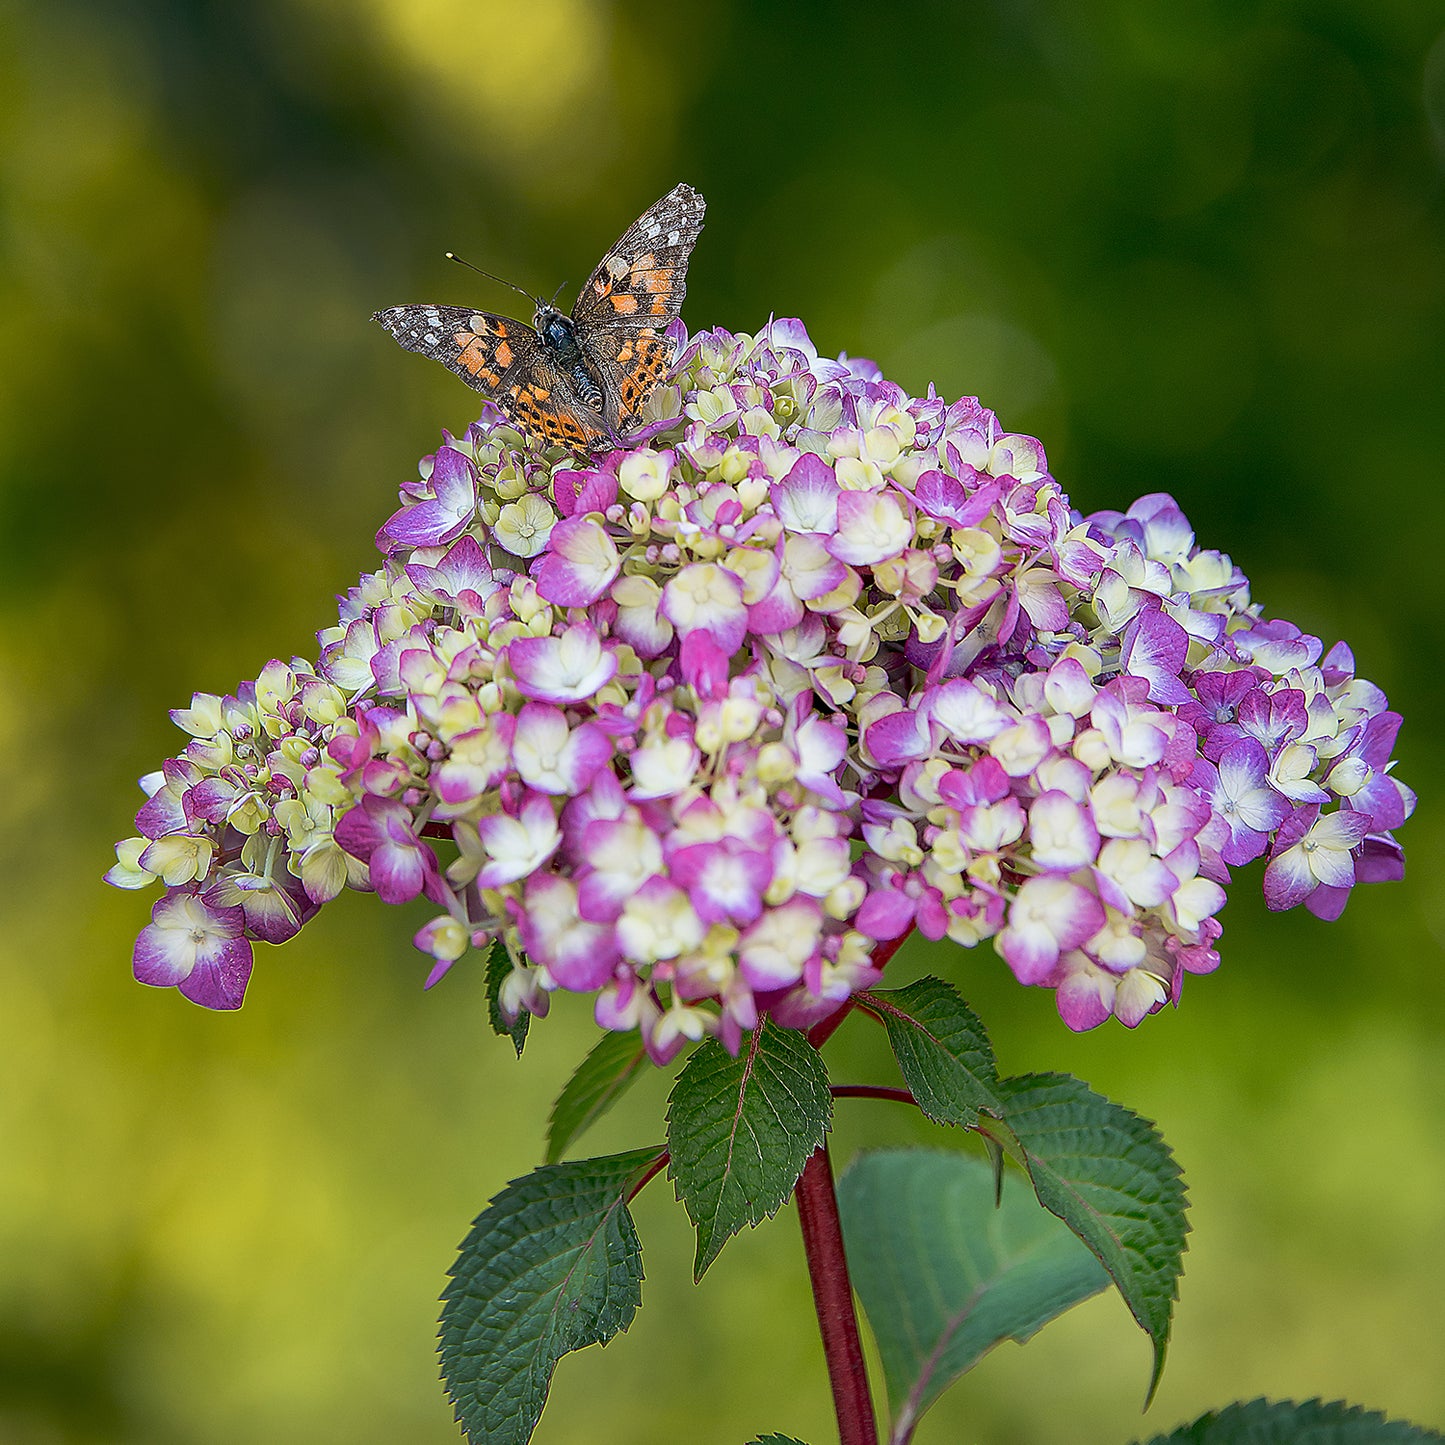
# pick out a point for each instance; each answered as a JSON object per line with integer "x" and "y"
{"x": 356, "y": 832}
{"x": 1154, "y": 647}
{"x": 398, "y": 872}
{"x": 1381, "y": 860}
{"x": 1288, "y": 880}
{"x": 1327, "y": 903}
{"x": 219, "y": 981}
{"x": 161, "y": 958}
{"x": 1387, "y": 802}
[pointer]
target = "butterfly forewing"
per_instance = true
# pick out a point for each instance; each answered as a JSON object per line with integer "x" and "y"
{"x": 641, "y": 282}
{"x": 504, "y": 360}
{"x": 486, "y": 351}
{"x": 632, "y": 297}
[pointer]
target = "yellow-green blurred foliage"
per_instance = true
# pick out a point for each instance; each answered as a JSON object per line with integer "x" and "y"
{"x": 1197, "y": 247}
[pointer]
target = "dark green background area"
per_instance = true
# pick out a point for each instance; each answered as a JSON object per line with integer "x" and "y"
{"x": 1195, "y": 247}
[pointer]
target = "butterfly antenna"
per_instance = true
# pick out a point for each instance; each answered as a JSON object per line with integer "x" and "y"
{"x": 535, "y": 300}
{"x": 557, "y": 293}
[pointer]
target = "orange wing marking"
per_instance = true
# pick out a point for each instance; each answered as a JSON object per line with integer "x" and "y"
{"x": 474, "y": 358}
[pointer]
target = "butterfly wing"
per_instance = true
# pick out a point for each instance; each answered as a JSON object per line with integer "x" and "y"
{"x": 632, "y": 297}
{"x": 505, "y": 361}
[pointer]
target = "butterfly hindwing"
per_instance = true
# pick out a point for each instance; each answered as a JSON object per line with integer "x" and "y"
{"x": 546, "y": 404}
{"x": 632, "y": 374}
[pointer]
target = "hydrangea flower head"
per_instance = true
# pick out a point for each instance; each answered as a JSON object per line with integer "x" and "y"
{"x": 694, "y": 727}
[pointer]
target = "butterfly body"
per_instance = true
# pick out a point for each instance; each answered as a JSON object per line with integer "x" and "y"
{"x": 558, "y": 334}
{"x": 578, "y": 380}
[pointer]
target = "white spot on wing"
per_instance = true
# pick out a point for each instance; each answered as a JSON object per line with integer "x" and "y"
{"x": 617, "y": 267}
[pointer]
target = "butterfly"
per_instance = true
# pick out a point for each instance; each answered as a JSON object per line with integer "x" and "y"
{"x": 579, "y": 381}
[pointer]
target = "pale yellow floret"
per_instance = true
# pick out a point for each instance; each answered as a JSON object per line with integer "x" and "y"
{"x": 523, "y": 526}
{"x": 180, "y": 859}
{"x": 129, "y": 871}
{"x": 776, "y": 763}
{"x": 203, "y": 719}
{"x": 644, "y": 476}
{"x": 756, "y": 570}
{"x": 846, "y": 899}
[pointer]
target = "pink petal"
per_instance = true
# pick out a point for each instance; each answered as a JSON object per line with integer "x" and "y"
{"x": 899, "y": 737}
{"x": 397, "y": 872}
{"x": 1033, "y": 955}
{"x": 1085, "y": 999}
{"x": 704, "y": 664}
{"x": 886, "y": 914}
{"x": 806, "y": 500}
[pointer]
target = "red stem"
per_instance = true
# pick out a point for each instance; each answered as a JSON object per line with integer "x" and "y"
{"x": 872, "y": 1091}
{"x": 833, "y": 1300}
{"x": 651, "y": 1173}
{"x": 828, "y": 1267}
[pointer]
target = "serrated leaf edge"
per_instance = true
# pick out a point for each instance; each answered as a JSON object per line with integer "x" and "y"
{"x": 1141, "y": 1132}
{"x": 503, "y": 1208}
{"x": 709, "y": 1245}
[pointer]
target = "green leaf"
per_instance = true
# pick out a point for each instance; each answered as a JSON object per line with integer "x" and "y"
{"x": 499, "y": 966}
{"x": 775, "y": 1440}
{"x": 552, "y": 1264}
{"x": 942, "y": 1050}
{"x": 944, "y": 1275}
{"x": 596, "y": 1085}
{"x": 741, "y": 1129}
{"x": 1111, "y": 1178}
{"x": 1283, "y": 1422}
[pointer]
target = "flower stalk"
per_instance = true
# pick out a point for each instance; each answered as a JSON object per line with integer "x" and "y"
{"x": 833, "y": 1300}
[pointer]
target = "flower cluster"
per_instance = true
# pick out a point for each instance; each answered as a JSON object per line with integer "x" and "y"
{"x": 814, "y": 663}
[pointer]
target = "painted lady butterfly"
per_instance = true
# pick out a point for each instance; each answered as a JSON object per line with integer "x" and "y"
{"x": 579, "y": 381}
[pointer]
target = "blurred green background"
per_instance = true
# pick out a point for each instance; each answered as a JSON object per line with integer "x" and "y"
{"x": 1197, "y": 247}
